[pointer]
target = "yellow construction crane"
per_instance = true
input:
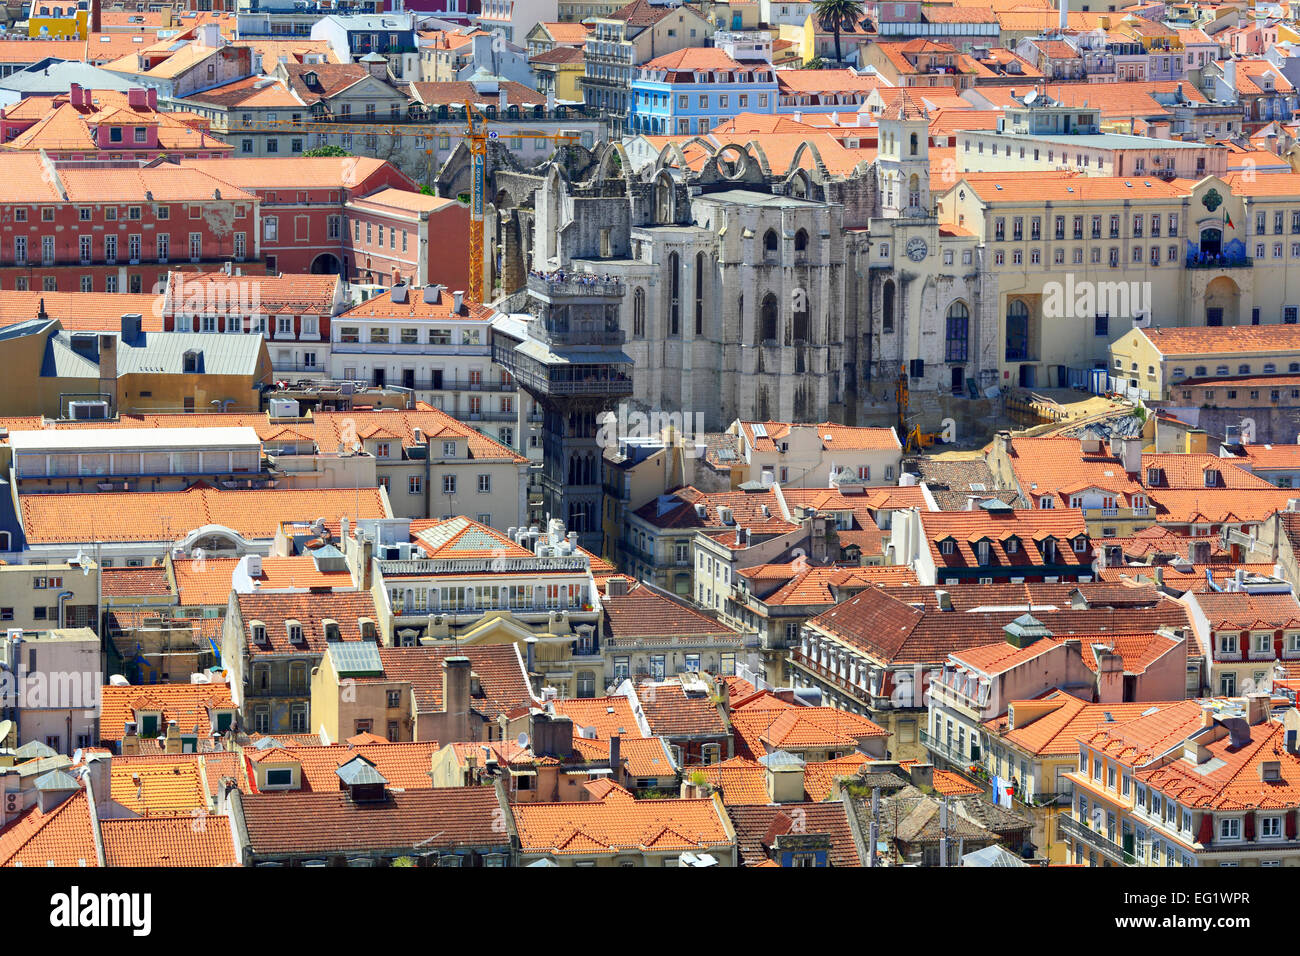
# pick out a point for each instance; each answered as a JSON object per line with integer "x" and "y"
{"x": 477, "y": 136}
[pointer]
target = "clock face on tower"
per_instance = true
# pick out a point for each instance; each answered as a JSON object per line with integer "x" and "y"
{"x": 916, "y": 249}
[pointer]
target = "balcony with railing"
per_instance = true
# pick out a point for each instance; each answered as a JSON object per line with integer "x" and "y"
{"x": 1219, "y": 262}
{"x": 1068, "y": 826}
{"x": 945, "y": 750}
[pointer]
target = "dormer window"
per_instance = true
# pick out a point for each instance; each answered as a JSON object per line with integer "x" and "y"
{"x": 367, "y": 628}
{"x": 1080, "y": 544}
{"x": 331, "y": 629}
{"x": 1211, "y": 478}
{"x": 1012, "y": 545}
{"x": 982, "y": 551}
{"x": 311, "y": 79}
{"x": 192, "y": 360}
{"x": 294, "y": 630}
{"x": 946, "y": 546}
{"x": 1049, "y": 549}
{"x": 258, "y": 630}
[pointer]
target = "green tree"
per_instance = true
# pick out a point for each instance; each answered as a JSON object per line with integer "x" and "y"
{"x": 837, "y": 16}
{"x": 326, "y": 151}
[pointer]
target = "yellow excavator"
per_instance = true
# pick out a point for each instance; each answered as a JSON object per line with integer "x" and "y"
{"x": 913, "y": 439}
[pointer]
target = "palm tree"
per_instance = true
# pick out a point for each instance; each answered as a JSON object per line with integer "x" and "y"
{"x": 837, "y": 15}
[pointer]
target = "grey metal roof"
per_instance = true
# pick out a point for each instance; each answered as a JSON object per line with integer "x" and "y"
{"x": 358, "y": 771}
{"x": 34, "y": 749}
{"x": 165, "y": 352}
{"x": 57, "y": 780}
{"x": 56, "y": 76}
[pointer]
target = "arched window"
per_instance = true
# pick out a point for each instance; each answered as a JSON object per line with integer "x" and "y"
{"x": 663, "y": 200}
{"x": 914, "y": 192}
{"x": 957, "y": 333}
{"x": 767, "y": 328}
{"x": 913, "y": 145}
{"x": 1017, "y": 331}
{"x": 674, "y": 294}
{"x": 638, "y": 313}
{"x": 801, "y": 241}
{"x": 769, "y": 244}
{"x": 700, "y": 266}
{"x": 887, "y": 306}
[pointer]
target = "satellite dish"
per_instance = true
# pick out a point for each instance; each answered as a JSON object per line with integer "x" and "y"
{"x": 522, "y": 739}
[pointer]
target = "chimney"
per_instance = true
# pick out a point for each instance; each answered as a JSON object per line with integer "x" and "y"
{"x": 136, "y": 99}
{"x": 458, "y": 302}
{"x": 1110, "y": 676}
{"x": 616, "y": 758}
{"x": 455, "y": 697}
{"x": 99, "y": 771}
{"x": 1258, "y": 709}
{"x": 172, "y": 742}
{"x": 740, "y": 535}
{"x": 150, "y": 98}
{"x": 615, "y": 586}
{"x": 130, "y": 742}
{"x": 550, "y": 735}
{"x": 74, "y": 94}
{"x": 132, "y": 325}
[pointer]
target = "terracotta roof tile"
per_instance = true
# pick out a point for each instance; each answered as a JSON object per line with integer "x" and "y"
{"x": 168, "y": 515}
{"x": 273, "y": 611}
{"x": 61, "y": 837}
{"x": 330, "y": 823}
{"x": 757, "y": 827}
{"x": 187, "y": 840}
{"x": 190, "y": 705}
{"x": 616, "y": 821}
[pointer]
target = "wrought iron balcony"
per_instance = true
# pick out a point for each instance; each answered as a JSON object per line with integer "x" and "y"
{"x": 1070, "y": 827}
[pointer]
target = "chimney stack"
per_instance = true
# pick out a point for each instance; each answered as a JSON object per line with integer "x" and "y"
{"x": 455, "y": 696}
{"x": 616, "y": 758}
{"x": 1258, "y": 708}
{"x": 130, "y": 742}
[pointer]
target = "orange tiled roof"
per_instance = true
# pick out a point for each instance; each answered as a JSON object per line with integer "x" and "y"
{"x": 190, "y": 705}
{"x": 739, "y": 780}
{"x": 168, "y": 784}
{"x": 1059, "y": 731}
{"x": 819, "y": 775}
{"x": 671, "y": 712}
{"x": 499, "y": 668}
{"x": 1188, "y": 471}
{"x": 61, "y": 837}
{"x": 403, "y": 765}
{"x": 618, "y": 821}
{"x": 169, "y": 515}
{"x": 203, "y": 840}
{"x": 644, "y": 613}
{"x": 609, "y": 716}
{"x": 1243, "y": 339}
{"x": 761, "y": 730}
{"x": 949, "y": 784}
{"x": 134, "y": 582}
{"x": 208, "y": 581}
{"x": 273, "y": 610}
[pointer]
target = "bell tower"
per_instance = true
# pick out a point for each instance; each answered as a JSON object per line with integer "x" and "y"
{"x": 903, "y": 159}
